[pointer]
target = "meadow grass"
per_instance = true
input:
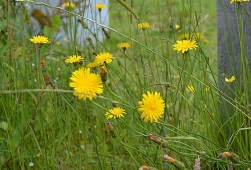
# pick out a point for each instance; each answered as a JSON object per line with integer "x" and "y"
{"x": 44, "y": 126}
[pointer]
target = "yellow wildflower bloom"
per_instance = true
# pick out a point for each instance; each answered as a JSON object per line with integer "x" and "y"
{"x": 144, "y": 25}
{"x": 115, "y": 112}
{"x": 152, "y": 107}
{"x": 74, "y": 59}
{"x": 184, "y": 45}
{"x": 69, "y": 5}
{"x": 190, "y": 89}
{"x": 104, "y": 58}
{"x": 183, "y": 36}
{"x": 177, "y": 26}
{"x": 39, "y": 39}
{"x": 86, "y": 84}
{"x": 123, "y": 45}
{"x": 99, "y": 6}
{"x": 230, "y": 80}
{"x": 232, "y": 1}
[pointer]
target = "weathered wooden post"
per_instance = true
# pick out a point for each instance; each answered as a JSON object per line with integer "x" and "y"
{"x": 234, "y": 56}
{"x": 85, "y": 8}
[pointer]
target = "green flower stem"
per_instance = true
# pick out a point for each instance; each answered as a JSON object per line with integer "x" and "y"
{"x": 128, "y": 8}
{"x": 125, "y": 62}
{"x": 128, "y": 104}
{"x": 38, "y": 59}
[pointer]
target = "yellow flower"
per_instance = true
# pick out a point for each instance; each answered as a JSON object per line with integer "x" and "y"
{"x": 184, "y": 45}
{"x": 152, "y": 106}
{"x": 230, "y": 80}
{"x": 206, "y": 41}
{"x": 190, "y": 89}
{"x": 183, "y": 36}
{"x": 86, "y": 84}
{"x": 207, "y": 89}
{"x": 186, "y": 36}
{"x": 115, "y": 112}
{"x": 100, "y": 6}
{"x": 144, "y": 25}
{"x": 199, "y": 35}
{"x": 74, "y": 59}
{"x": 176, "y": 76}
{"x": 65, "y": 39}
{"x": 37, "y": 155}
{"x": 101, "y": 59}
{"x": 232, "y": 1}
{"x": 124, "y": 45}
{"x": 176, "y": 26}
{"x": 69, "y": 5}
{"x": 93, "y": 64}
{"x": 39, "y": 39}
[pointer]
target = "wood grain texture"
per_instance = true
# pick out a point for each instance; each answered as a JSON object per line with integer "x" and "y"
{"x": 229, "y": 50}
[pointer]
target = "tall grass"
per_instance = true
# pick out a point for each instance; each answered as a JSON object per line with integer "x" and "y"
{"x": 43, "y": 126}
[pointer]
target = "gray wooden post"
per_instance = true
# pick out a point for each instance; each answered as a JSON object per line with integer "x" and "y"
{"x": 229, "y": 64}
{"x": 229, "y": 50}
{"x": 88, "y": 6}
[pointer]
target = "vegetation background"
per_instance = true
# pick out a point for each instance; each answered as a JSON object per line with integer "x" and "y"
{"x": 44, "y": 126}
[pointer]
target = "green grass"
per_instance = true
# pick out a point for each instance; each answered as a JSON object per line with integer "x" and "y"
{"x": 52, "y": 129}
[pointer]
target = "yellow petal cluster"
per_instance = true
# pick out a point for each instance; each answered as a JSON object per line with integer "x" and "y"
{"x": 74, "y": 59}
{"x": 184, "y": 45}
{"x": 144, "y": 25}
{"x": 39, "y": 39}
{"x": 152, "y": 107}
{"x": 86, "y": 84}
{"x": 232, "y": 1}
{"x": 115, "y": 112}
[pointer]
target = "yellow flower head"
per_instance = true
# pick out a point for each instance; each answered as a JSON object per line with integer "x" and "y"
{"x": 69, "y": 5}
{"x": 183, "y": 36}
{"x": 152, "y": 107}
{"x": 37, "y": 155}
{"x": 104, "y": 58}
{"x": 99, "y": 6}
{"x": 74, "y": 59}
{"x": 123, "y": 45}
{"x": 115, "y": 112}
{"x": 232, "y": 1}
{"x": 86, "y": 84}
{"x": 184, "y": 45}
{"x": 144, "y": 25}
{"x": 199, "y": 35}
{"x": 186, "y": 36}
{"x": 176, "y": 26}
{"x": 206, "y": 41}
{"x": 93, "y": 64}
{"x": 39, "y": 39}
{"x": 190, "y": 89}
{"x": 65, "y": 39}
{"x": 230, "y": 80}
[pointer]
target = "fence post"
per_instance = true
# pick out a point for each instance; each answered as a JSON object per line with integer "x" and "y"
{"x": 85, "y": 8}
{"x": 234, "y": 100}
{"x": 229, "y": 49}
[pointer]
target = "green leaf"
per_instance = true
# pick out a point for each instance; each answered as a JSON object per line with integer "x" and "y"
{"x": 48, "y": 32}
{"x": 4, "y": 125}
{"x": 56, "y": 22}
